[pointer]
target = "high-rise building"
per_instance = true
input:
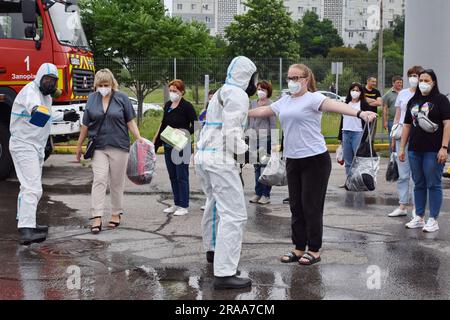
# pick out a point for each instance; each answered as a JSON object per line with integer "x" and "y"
{"x": 357, "y": 21}
{"x": 361, "y": 19}
{"x": 199, "y": 10}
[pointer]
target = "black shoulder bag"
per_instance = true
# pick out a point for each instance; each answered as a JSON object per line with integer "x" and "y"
{"x": 92, "y": 141}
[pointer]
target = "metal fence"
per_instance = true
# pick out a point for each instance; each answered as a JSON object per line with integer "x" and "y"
{"x": 157, "y": 72}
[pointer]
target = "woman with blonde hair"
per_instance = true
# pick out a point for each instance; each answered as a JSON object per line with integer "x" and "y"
{"x": 308, "y": 163}
{"x": 108, "y": 117}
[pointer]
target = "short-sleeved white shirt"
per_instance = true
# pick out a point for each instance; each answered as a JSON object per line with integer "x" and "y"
{"x": 301, "y": 121}
{"x": 353, "y": 123}
{"x": 402, "y": 102}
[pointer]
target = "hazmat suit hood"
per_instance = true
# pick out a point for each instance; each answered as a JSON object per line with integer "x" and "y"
{"x": 46, "y": 69}
{"x": 240, "y": 72}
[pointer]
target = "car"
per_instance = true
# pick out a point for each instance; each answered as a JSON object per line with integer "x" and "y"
{"x": 145, "y": 107}
{"x": 333, "y": 96}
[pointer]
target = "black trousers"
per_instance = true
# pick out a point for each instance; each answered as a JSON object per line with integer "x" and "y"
{"x": 307, "y": 183}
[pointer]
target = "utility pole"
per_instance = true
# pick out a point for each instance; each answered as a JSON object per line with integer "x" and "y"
{"x": 381, "y": 79}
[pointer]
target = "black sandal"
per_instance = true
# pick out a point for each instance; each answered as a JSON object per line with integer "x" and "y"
{"x": 291, "y": 257}
{"x": 311, "y": 259}
{"x": 99, "y": 227}
{"x": 113, "y": 225}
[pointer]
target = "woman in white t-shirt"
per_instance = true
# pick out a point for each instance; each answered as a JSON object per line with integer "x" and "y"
{"x": 308, "y": 165}
{"x": 352, "y": 129}
{"x": 404, "y": 182}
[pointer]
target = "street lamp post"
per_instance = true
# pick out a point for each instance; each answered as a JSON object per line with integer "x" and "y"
{"x": 381, "y": 79}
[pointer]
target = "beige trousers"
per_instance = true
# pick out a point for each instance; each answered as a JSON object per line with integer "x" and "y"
{"x": 108, "y": 163}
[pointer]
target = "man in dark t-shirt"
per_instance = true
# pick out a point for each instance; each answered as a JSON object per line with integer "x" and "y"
{"x": 373, "y": 96}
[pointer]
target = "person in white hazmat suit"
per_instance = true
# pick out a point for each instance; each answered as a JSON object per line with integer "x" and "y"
{"x": 27, "y": 147}
{"x": 221, "y": 139}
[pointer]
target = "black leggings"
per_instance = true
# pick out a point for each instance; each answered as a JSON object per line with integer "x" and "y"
{"x": 307, "y": 183}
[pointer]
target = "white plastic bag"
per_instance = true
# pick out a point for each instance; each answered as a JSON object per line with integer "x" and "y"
{"x": 274, "y": 173}
{"x": 141, "y": 162}
{"x": 396, "y": 131}
{"x": 340, "y": 155}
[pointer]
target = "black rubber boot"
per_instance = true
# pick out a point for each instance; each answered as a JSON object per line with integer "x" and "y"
{"x": 233, "y": 282}
{"x": 31, "y": 235}
{"x": 42, "y": 228}
{"x": 210, "y": 256}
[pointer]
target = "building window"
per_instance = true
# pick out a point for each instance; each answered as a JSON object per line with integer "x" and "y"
{"x": 208, "y": 19}
{"x": 300, "y": 10}
{"x": 179, "y": 6}
{"x": 350, "y": 34}
{"x": 314, "y": 9}
{"x": 206, "y": 7}
{"x": 193, "y": 6}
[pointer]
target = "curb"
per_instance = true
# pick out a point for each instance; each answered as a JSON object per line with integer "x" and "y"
{"x": 65, "y": 149}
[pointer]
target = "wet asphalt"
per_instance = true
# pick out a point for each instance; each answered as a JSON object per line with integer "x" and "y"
{"x": 152, "y": 255}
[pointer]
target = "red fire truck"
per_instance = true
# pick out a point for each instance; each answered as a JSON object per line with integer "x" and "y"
{"x": 33, "y": 32}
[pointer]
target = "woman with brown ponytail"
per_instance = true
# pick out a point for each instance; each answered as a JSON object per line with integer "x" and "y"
{"x": 308, "y": 163}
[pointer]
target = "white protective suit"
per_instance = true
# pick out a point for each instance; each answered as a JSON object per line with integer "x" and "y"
{"x": 221, "y": 137}
{"x": 27, "y": 145}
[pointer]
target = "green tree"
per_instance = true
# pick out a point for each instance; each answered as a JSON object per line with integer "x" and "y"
{"x": 265, "y": 31}
{"x": 138, "y": 41}
{"x": 345, "y": 80}
{"x": 315, "y": 37}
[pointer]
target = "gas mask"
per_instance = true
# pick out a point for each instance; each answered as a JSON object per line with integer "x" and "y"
{"x": 252, "y": 85}
{"x": 48, "y": 85}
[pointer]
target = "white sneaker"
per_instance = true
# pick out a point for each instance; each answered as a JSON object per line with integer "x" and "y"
{"x": 264, "y": 200}
{"x": 172, "y": 209}
{"x": 255, "y": 199}
{"x": 416, "y": 222}
{"x": 431, "y": 226}
{"x": 203, "y": 208}
{"x": 398, "y": 213}
{"x": 180, "y": 212}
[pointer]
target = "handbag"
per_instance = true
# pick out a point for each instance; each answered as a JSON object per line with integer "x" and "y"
{"x": 90, "y": 148}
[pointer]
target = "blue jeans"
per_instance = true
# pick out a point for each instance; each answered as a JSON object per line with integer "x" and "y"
{"x": 350, "y": 144}
{"x": 427, "y": 176}
{"x": 179, "y": 178}
{"x": 404, "y": 187}
{"x": 261, "y": 189}
{"x": 390, "y": 124}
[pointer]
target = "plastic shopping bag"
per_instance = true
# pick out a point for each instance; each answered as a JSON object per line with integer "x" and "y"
{"x": 141, "y": 162}
{"x": 340, "y": 155}
{"x": 364, "y": 168}
{"x": 274, "y": 173}
{"x": 392, "y": 174}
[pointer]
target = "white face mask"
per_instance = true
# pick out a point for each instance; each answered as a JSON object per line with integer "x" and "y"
{"x": 413, "y": 82}
{"x": 174, "y": 97}
{"x": 262, "y": 94}
{"x": 294, "y": 87}
{"x": 104, "y": 91}
{"x": 425, "y": 88}
{"x": 355, "y": 94}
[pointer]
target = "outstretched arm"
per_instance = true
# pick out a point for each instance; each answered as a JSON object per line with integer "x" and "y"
{"x": 261, "y": 112}
{"x": 330, "y": 105}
